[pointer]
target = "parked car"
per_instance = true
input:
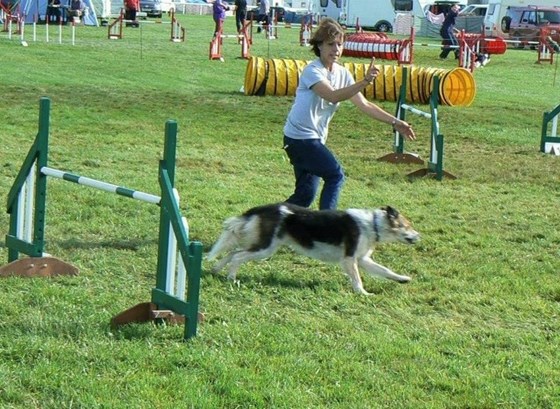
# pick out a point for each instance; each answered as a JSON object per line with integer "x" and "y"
{"x": 152, "y": 8}
{"x": 253, "y": 12}
{"x": 286, "y": 15}
{"x": 155, "y": 8}
{"x": 474, "y": 10}
{"x": 524, "y": 24}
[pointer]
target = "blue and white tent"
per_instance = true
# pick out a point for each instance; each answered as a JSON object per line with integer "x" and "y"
{"x": 36, "y": 10}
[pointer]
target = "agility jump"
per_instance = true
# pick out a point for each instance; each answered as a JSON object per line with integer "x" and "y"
{"x": 115, "y": 28}
{"x": 550, "y": 141}
{"x": 547, "y": 46}
{"x": 306, "y": 28}
{"x": 244, "y": 37}
{"x": 435, "y": 164}
{"x": 176, "y": 293}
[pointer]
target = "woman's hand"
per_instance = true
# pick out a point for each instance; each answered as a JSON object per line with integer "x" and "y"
{"x": 405, "y": 129}
{"x": 372, "y": 71}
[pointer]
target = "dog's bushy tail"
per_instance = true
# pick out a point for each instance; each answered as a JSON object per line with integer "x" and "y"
{"x": 229, "y": 239}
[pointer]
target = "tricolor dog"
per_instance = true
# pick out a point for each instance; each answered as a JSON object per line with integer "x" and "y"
{"x": 344, "y": 237}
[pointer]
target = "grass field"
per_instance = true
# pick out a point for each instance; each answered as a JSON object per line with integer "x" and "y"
{"x": 476, "y": 328}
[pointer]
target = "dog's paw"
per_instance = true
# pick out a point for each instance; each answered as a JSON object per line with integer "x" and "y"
{"x": 234, "y": 282}
{"x": 361, "y": 291}
{"x": 404, "y": 279}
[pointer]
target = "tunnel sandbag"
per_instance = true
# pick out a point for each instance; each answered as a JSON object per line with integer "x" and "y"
{"x": 280, "y": 77}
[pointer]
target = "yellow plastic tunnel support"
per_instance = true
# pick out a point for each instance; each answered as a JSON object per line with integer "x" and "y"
{"x": 280, "y": 77}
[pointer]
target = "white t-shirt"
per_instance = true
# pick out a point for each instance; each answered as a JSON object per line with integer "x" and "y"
{"x": 310, "y": 114}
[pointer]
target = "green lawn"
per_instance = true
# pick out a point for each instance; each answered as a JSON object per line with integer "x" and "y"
{"x": 476, "y": 328}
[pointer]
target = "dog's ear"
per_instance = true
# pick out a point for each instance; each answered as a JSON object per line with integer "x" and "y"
{"x": 392, "y": 213}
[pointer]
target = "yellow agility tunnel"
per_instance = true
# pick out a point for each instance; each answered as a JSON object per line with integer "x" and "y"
{"x": 280, "y": 77}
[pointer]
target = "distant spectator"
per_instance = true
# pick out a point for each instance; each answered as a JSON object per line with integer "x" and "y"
{"x": 240, "y": 14}
{"x": 263, "y": 17}
{"x": 219, "y": 13}
{"x": 76, "y": 9}
{"x": 54, "y": 11}
{"x": 131, "y": 7}
{"x": 447, "y": 32}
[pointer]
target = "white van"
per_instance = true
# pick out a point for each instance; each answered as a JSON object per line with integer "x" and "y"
{"x": 377, "y": 15}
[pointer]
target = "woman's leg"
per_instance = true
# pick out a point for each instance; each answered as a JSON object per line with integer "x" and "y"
{"x": 305, "y": 190}
{"x": 313, "y": 160}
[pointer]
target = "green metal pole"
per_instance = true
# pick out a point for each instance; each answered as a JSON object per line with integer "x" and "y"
{"x": 38, "y": 154}
{"x": 194, "y": 272}
{"x": 168, "y": 164}
{"x": 434, "y": 136}
{"x": 41, "y": 180}
{"x": 401, "y": 113}
{"x": 544, "y": 130}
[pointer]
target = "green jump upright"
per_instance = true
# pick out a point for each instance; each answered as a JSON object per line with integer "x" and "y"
{"x": 26, "y": 205}
{"x": 552, "y": 138}
{"x": 36, "y": 158}
{"x": 191, "y": 251}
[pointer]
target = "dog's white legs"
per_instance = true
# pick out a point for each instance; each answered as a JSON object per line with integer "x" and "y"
{"x": 226, "y": 243}
{"x": 222, "y": 263}
{"x": 244, "y": 256}
{"x": 375, "y": 269}
{"x": 350, "y": 267}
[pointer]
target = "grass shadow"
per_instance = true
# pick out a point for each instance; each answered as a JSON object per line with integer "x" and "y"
{"x": 133, "y": 245}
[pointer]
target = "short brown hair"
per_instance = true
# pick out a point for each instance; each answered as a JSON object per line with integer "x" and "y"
{"x": 328, "y": 30}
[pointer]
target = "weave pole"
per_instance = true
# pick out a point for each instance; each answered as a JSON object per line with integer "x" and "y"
{"x": 177, "y": 255}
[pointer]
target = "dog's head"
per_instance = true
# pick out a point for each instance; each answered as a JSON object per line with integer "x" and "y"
{"x": 395, "y": 227}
